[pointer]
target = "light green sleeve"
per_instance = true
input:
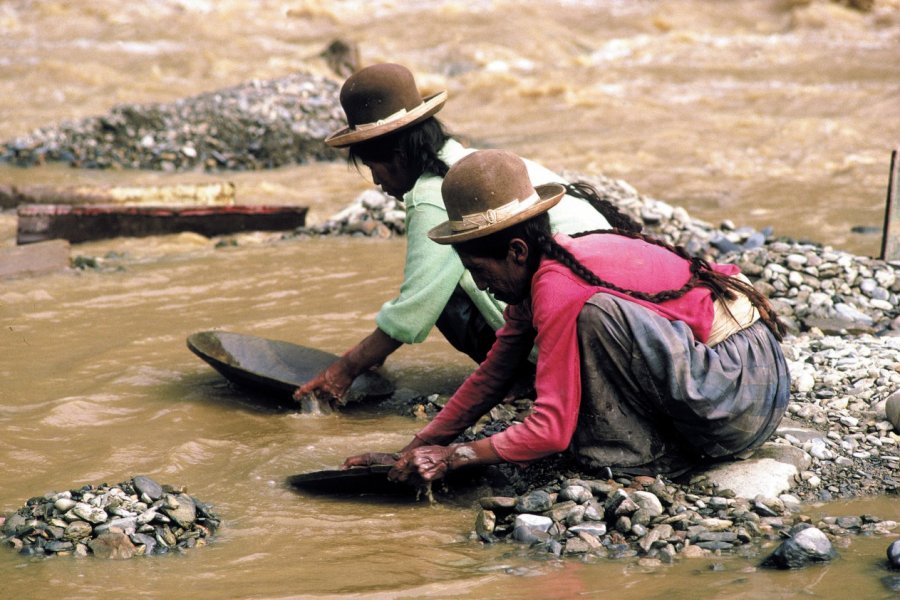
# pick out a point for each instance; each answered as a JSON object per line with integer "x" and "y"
{"x": 430, "y": 275}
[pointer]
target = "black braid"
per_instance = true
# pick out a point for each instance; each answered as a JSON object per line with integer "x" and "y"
{"x": 702, "y": 274}
{"x": 602, "y": 204}
{"x": 419, "y": 145}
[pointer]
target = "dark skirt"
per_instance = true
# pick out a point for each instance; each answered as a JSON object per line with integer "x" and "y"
{"x": 464, "y": 327}
{"x": 655, "y": 400}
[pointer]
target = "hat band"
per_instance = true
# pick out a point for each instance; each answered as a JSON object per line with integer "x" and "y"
{"x": 492, "y": 215}
{"x": 392, "y": 117}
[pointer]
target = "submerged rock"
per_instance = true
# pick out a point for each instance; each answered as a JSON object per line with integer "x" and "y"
{"x": 112, "y": 544}
{"x": 893, "y": 554}
{"x": 806, "y": 545}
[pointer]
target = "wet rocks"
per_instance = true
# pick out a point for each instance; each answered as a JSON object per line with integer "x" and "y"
{"x": 806, "y": 545}
{"x": 658, "y": 520}
{"x": 893, "y": 554}
{"x": 133, "y": 518}
{"x": 372, "y": 214}
{"x": 255, "y": 125}
{"x": 148, "y": 487}
{"x": 112, "y": 544}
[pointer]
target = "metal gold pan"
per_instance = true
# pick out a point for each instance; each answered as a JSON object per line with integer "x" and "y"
{"x": 267, "y": 365}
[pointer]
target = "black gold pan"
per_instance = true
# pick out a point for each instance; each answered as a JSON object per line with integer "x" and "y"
{"x": 275, "y": 367}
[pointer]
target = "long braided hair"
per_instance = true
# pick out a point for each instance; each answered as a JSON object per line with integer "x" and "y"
{"x": 537, "y": 234}
{"x": 418, "y": 144}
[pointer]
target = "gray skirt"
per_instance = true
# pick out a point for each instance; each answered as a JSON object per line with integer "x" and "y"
{"x": 655, "y": 400}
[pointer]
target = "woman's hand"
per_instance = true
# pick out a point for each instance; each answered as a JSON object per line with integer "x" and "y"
{"x": 428, "y": 463}
{"x": 332, "y": 383}
{"x": 369, "y": 459}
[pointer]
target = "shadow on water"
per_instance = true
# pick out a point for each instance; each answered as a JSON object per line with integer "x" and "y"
{"x": 212, "y": 389}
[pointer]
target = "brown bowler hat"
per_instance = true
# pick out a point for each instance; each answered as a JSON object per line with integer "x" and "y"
{"x": 487, "y": 191}
{"x": 381, "y": 99}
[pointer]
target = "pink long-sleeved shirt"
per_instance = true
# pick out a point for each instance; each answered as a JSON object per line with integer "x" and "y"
{"x": 557, "y": 297}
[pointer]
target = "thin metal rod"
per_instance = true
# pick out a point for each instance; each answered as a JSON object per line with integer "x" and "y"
{"x": 890, "y": 248}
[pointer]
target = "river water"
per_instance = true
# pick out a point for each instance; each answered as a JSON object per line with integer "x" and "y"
{"x": 764, "y": 112}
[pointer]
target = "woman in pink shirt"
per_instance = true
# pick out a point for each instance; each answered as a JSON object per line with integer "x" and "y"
{"x": 649, "y": 360}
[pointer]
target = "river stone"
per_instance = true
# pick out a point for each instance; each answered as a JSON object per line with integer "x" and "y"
{"x": 595, "y": 529}
{"x": 648, "y": 503}
{"x": 535, "y": 502}
{"x": 485, "y": 523}
{"x": 142, "y": 539}
{"x": 892, "y": 408}
{"x": 89, "y": 513}
{"x": 126, "y": 524}
{"x": 498, "y": 502}
{"x": 806, "y": 546}
{"x": 753, "y": 477}
{"x": 576, "y": 493}
{"x": 575, "y": 516}
{"x": 13, "y": 523}
{"x": 112, "y": 544}
{"x": 145, "y": 485}
{"x": 60, "y": 546}
{"x": 146, "y": 516}
{"x": 184, "y": 513}
{"x": 893, "y": 554}
{"x": 64, "y": 505}
{"x": 77, "y": 530}
{"x": 536, "y": 522}
{"x": 14, "y": 543}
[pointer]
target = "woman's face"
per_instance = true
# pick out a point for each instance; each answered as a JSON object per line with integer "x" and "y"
{"x": 392, "y": 175}
{"x": 507, "y": 278}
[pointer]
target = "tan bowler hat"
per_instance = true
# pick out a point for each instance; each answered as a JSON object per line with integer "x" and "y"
{"x": 487, "y": 191}
{"x": 379, "y": 100}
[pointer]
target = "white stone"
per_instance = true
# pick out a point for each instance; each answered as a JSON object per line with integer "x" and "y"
{"x": 753, "y": 477}
{"x": 536, "y": 522}
{"x": 804, "y": 382}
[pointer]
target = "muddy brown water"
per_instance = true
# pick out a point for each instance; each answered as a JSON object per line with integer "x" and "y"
{"x": 767, "y": 113}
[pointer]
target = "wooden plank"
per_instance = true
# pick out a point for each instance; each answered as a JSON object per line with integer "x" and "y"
{"x": 35, "y": 259}
{"x": 38, "y": 222}
{"x": 890, "y": 239}
{"x": 205, "y": 194}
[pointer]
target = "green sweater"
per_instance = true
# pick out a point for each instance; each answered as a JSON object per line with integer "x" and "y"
{"x": 433, "y": 271}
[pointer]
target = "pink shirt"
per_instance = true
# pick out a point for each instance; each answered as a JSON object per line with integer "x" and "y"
{"x": 557, "y": 297}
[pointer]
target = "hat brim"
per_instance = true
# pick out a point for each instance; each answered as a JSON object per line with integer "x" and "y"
{"x": 549, "y": 196}
{"x": 352, "y": 135}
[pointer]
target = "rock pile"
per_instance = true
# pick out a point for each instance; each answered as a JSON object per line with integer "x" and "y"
{"x": 372, "y": 214}
{"x": 255, "y": 125}
{"x": 657, "y": 522}
{"x": 133, "y": 518}
{"x": 840, "y": 389}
